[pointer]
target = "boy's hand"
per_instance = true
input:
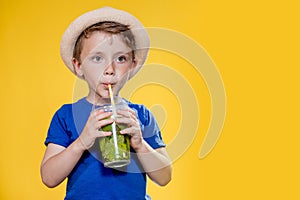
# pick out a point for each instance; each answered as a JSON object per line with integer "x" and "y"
{"x": 91, "y": 131}
{"x": 133, "y": 127}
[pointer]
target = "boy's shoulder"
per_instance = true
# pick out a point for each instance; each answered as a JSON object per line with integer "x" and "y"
{"x": 69, "y": 107}
{"x": 141, "y": 110}
{"x": 136, "y": 106}
{"x": 64, "y": 107}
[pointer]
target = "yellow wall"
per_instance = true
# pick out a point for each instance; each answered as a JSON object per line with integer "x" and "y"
{"x": 254, "y": 44}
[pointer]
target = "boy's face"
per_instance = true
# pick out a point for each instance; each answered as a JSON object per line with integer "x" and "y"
{"x": 106, "y": 59}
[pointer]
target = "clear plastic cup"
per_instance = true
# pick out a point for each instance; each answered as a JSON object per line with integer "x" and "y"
{"x": 115, "y": 148}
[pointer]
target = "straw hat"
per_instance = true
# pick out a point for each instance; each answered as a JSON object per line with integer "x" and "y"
{"x": 105, "y": 14}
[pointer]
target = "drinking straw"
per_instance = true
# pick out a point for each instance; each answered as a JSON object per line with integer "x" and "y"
{"x": 114, "y": 129}
{"x": 112, "y": 100}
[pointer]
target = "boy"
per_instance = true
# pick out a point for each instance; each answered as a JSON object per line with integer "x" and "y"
{"x": 104, "y": 47}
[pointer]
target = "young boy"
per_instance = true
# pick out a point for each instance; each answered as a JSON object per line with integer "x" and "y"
{"x": 104, "y": 47}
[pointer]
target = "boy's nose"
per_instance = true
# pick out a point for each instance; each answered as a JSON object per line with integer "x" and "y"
{"x": 109, "y": 70}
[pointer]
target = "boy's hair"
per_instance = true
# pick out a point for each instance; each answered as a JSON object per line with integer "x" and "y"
{"x": 107, "y": 27}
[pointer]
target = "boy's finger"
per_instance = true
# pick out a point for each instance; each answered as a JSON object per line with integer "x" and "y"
{"x": 124, "y": 120}
{"x": 104, "y": 133}
{"x": 127, "y": 113}
{"x": 102, "y": 123}
{"x": 103, "y": 115}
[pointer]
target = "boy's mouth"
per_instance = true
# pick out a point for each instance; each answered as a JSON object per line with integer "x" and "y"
{"x": 106, "y": 85}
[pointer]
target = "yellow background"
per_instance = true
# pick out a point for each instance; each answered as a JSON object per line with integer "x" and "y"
{"x": 255, "y": 45}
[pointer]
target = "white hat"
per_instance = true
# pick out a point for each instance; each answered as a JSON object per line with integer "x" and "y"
{"x": 105, "y": 14}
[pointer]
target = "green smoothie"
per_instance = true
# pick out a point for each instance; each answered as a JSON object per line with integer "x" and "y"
{"x": 115, "y": 154}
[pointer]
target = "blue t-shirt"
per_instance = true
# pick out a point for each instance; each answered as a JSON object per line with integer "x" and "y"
{"x": 90, "y": 180}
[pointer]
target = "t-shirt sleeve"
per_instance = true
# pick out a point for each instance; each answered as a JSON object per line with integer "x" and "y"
{"x": 58, "y": 131}
{"x": 151, "y": 131}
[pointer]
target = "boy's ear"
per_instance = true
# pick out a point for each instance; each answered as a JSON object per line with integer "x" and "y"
{"x": 133, "y": 67}
{"x": 134, "y": 63}
{"x": 77, "y": 67}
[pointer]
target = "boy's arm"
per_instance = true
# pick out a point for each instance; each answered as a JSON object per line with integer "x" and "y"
{"x": 156, "y": 163}
{"x": 58, "y": 162}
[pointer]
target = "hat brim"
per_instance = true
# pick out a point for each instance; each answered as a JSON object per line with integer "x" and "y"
{"x": 84, "y": 21}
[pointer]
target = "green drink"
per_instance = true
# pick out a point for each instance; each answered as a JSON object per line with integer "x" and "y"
{"x": 115, "y": 148}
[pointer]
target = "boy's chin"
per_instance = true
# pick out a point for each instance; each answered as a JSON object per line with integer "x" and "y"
{"x": 100, "y": 95}
{"x": 104, "y": 94}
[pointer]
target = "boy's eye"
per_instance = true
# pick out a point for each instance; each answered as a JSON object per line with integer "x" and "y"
{"x": 121, "y": 58}
{"x": 97, "y": 58}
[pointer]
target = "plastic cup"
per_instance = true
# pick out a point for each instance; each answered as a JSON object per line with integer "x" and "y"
{"x": 115, "y": 148}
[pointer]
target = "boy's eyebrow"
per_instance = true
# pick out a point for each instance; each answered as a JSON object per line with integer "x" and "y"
{"x": 101, "y": 53}
{"x": 92, "y": 52}
{"x": 123, "y": 52}
{"x": 96, "y": 52}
